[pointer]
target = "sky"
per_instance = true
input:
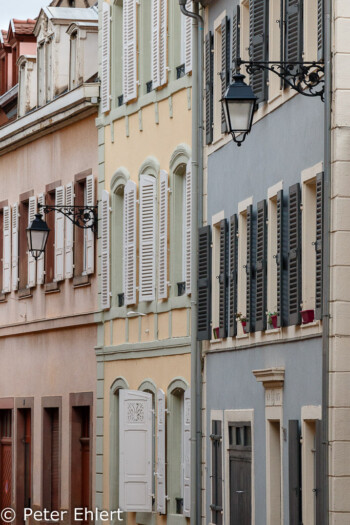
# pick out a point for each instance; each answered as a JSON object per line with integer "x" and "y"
{"x": 21, "y": 9}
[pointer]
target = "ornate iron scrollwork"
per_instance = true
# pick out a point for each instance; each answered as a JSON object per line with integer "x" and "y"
{"x": 82, "y": 216}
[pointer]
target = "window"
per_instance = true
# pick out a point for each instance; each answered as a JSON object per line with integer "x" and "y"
{"x": 45, "y": 71}
{"x": 117, "y": 43}
{"x": 244, "y": 284}
{"x": 308, "y": 249}
{"x": 83, "y": 238}
{"x": 41, "y": 74}
{"x": 50, "y": 245}
{"x": 117, "y": 242}
{"x": 73, "y": 61}
{"x": 129, "y": 50}
{"x": 240, "y": 472}
{"x": 219, "y": 275}
{"x": 274, "y": 251}
{"x": 6, "y": 249}
{"x": 129, "y": 243}
{"x": 147, "y": 237}
{"x": 23, "y": 244}
{"x": 186, "y": 39}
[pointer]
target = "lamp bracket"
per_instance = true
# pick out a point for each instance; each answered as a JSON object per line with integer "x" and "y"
{"x": 82, "y": 216}
{"x": 298, "y": 75}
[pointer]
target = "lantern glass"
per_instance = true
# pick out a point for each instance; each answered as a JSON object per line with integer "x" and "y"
{"x": 240, "y": 115}
{"x": 37, "y": 234}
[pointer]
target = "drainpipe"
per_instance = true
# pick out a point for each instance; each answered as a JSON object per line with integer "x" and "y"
{"x": 197, "y": 219}
{"x": 326, "y": 251}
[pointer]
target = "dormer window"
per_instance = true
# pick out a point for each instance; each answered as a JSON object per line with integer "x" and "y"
{"x": 73, "y": 80}
{"x": 45, "y": 77}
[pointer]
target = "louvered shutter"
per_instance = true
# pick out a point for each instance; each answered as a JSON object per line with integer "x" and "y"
{"x": 261, "y": 267}
{"x": 129, "y": 245}
{"x": 188, "y": 227}
{"x": 258, "y": 46}
{"x": 163, "y": 42}
{"x": 319, "y": 451}
{"x": 147, "y": 237}
{"x": 59, "y": 236}
{"x": 294, "y": 256}
{"x": 204, "y": 284}
{"x": 105, "y": 247}
{"x": 163, "y": 237}
{"x": 209, "y": 72}
{"x": 216, "y": 492}
{"x": 161, "y": 493}
{"x": 135, "y": 451}
{"x": 15, "y": 229}
{"x": 105, "y": 66}
{"x": 40, "y": 266}
{"x": 155, "y": 43}
{"x": 188, "y": 39}
{"x": 187, "y": 453}
{"x": 31, "y": 261}
{"x": 233, "y": 275}
{"x": 225, "y": 64}
{"x": 129, "y": 50}
{"x": 223, "y": 280}
{"x": 89, "y": 234}
{"x": 69, "y": 234}
{"x": 320, "y": 30}
{"x": 279, "y": 257}
{"x": 318, "y": 246}
{"x": 294, "y": 472}
{"x": 6, "y": 255}
{"x": 294, "y": 30}
{"x": 236, "y": 52}
{"x": 249, "y": 325}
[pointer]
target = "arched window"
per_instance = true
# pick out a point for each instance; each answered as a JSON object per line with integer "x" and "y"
{"x": 119, "y": 180}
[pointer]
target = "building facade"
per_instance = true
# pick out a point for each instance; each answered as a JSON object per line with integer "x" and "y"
{"x": 143, "y": 350}
{"x": 48, "y": 156}
{"x": 261, "y": 261}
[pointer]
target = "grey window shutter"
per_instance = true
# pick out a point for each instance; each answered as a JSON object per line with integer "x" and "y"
{"x": 294, "y": 256}
{"x": 204, "y": 284}
{"x": 320, "y": 514}
{"x": 318, "y": 246}
{"x": 258, "y": 45}
{"x": 249, "y": 325}
{"x": 216, "y": 493}
{"x": 236, "y": 51}
{"x": 294, "y": 459}
{"x": 279, "y": 257}
{"x": 225, "y": 64}
{"x": 209, "y": 87}
{"x": 320, "y": 30}
{"x": 261, "y": 267}
{"x": 223, "y": 280}
{"x": 233, "y": 275}
{"x": 294, "y": 30}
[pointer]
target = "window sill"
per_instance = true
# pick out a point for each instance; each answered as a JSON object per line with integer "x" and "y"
{"x": 273, "y": 331}
{"x": 80, "y": 281}
{"x": 242, "y": 336}
{"x": 218, "y": 340}
{"x": 24, "y": 293}
{"x": 308, "y": 325}
{"x": 51, "y": 288}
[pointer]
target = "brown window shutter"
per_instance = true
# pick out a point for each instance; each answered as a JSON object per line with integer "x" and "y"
{"x": 249, "y": 325}
{"x": 223, "y": 280}
{"x": 318, "y": 246}
{"x": 279, "y": 257}
{"x": 204, "y": 284}
{"x": 233, "y": 275}
{"x": 294, "y": 460}
{"x": 261, "y": 277}
{"x": 294, "y": 256}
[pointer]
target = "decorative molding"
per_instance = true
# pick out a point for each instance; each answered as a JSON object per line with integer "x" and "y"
{"x": 151, "y": 164}
{"x": 181, "y": 155}
{"x": 270, "y": 377}
{"x": 120, "y": 178}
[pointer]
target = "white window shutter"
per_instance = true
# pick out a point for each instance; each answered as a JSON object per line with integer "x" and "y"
{"x": 129, "y": 50}
{"x": 161, "y": 493}
{"x": 59, "y": 235}
{"x": 163, "y": 237}
{"x": 188, "y": 227}
{"x": 163, "y": 42}
{"x": 105, "y": 268}
{"x": 15, "y": 228}
{"x": 40, "y": 266}
{"x": 105, "y": 66}
{"x": 187, "y": 453}
{"x": 147, "y": 237}
{"x": 135, "y": 451}
{"x": 31, "y": 260}
{"x": 188, "y": 39}
{"x": 129, "y": 243}
{"x": 155, "y": 43}
{"x": 89, "y": 234}
{"x": 69, "y": 234}
{"x": 6, "y": 255}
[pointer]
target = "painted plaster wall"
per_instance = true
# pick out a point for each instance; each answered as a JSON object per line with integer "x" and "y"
{"x": 302, "y": 386}
{"x": 57, "y": 156}
{"x": 50, "y": 364}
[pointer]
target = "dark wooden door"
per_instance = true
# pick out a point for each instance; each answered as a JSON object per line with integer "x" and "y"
{"x": 5, "y": 458}
{"x": 240, "y": 458}
{"x": 27, "y": 458}
{"x": 55, "y": 459}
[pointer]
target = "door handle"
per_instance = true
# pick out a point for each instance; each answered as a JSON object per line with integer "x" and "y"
{"x": 240, "y": 491}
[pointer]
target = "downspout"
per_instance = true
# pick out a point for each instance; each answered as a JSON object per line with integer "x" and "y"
{"x": 326, "y": 251}
{"x": 197, "y": 219}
